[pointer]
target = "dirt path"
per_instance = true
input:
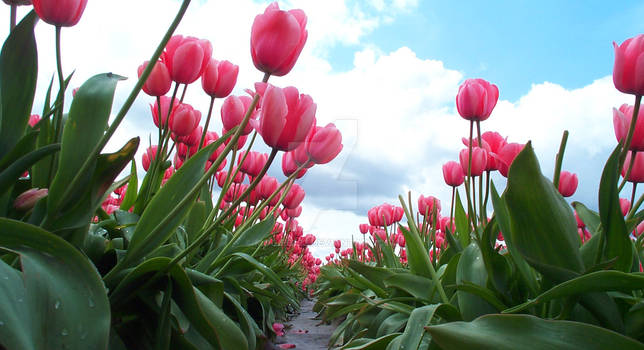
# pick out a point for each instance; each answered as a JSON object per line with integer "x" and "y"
{"x": 305, "y": 331}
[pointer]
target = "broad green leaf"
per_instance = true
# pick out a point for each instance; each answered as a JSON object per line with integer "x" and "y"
{"x": 132, "y": 186}
{"x": 18, "y": 76}
{"x": 24, "y": 146}
{"x": 618, "y": 244}
{"x": 371, "y": 344}
{"x": 415, "y": 329}
{"x": 11, "y": 174}
{"x": 543, "y": 228}
{"x": 392, "y": 324}
{"x": 463, "y": 227}
{"x": 501, "y": 332}
{"x": 600, "y": 281}
{"x": 58, "y": 299}
{"x": 271, "y": 276}
{"x": 374, "y": 274}
{"x": 253, "y": 235}
{"x": 418, "y": 286}
{"x": 417, "y": 256}
{"x": 86, "y": 124}
{"x": 589, "y": 217}
{"x": 147, "y": 236}
{"x": 472, "y": 269}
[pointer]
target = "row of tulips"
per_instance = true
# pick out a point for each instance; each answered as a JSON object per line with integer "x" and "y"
{"x": 205, "y": 250}
{"x": 534, "y": 273}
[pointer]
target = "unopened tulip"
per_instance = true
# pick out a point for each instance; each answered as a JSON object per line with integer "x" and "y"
{"x": 506, "y": 156}
{"x": 149, "y": 155}
{"x": 479, "y": 160}
{"x": 286, "y": 117}
{"x": 324, "y": 144}
{"x": 476, "y": 99}
{"x": 293, "y": 213}
{"x": 621, "y": 123}
{"x": 294, "y": 197}
{"x": 185, "y": 120}
{"x": 162, "y": 113}
{"x": 28, "y": 199}
{"x": 364, "y": 228}
{"x": 624, "y": 205}
{"x": 233, "y": 111}
{"x": 453, "y": 174}
{"x": 426, "y": 205}
{"x": 289, "y": 166}
{"x": 637, "y": 172}
{"x": 60, "y": 13}
{"x": 277, "y": 38}
{"x": 241, "y": 140}
{"x": 186, "y": 58}
{"x": 337, "y": 244}
{"x": 267, "y": 185}
{"x": 628, "y": 71}
{"x": 33, "y": 120}
{"x": 219, "y": 78}
{"x": 567, "y": 183}
{"x": 158, "y": 82}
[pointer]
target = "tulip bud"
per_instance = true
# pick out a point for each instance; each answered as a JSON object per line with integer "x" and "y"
{"x": 453, "y": 174}
{"x": 629, "y": 66}
{"x": 294, "y": 197}
{"x": 158, "y": 82}
{"x": 637, "y": 171}
{"x": 219, "y": 78}
{"x": 149, "y": 156}
{"x": 60, "y": 13}
{"x": 286, "y": 117}
{"x": 476, "y": 99}
{"x": 479, "y": 160}
{"x": 324, "y": 144}
{"x": 426, "y": 205}
{"x": 621, "y": 123}
{"x": 567, "y": 183}
{"x": 26, "y": 200}
{"x": 33, "y": 120}
{"x": 185, "y": 120}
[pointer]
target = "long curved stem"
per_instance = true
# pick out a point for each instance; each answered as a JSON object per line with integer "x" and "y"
{"x": 205, "y": 127}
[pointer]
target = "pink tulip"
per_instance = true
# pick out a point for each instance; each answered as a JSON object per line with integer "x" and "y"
{"x": 580, "y": 223}
{"x": 186, "y": 58}
{"x": 149, "y": 156}
{"x": 337, "y": 244}
{"x": 267, "y": 185}
{"x": 624, "y": 205}
{"x": 289, "y": 166}
{"x": 219, "y": 78}
{"x": 165, "y": 106}
{"x": 158, "y": 82}
{"x": 191, "y": 140}
{"x": 324, "y": 144}
{"x": 185, "y": 120}
{"x": 233, "y": 111}
{"x": 495, "y": 142}
{"x": 293, "y": 213}
{"x": 60, "y": 13}
{"x": 637, "y": 172}
{"x": 294, "y": 197}
{"x": 453, "y": 174}
{"x": 277, "y": 38}
{"x": 567, "y": 183}
{"x": 286, "y": 117}
{"x": 33, "y": 120}
{"x": 364, "y": 228}
{"x": 385, "y": 214}
{"x": 27, "y": 200}
{"x": 241, "y": 140}
{"x": 278, "y": 328}
{"x": 479, "y": 160}
{"x": 506, "y": 156}
{"x": 476, "y": 99}
{"x": 628, "y": 71}
{"x": 426, "y": 205}
{"x": 621, "y": 123}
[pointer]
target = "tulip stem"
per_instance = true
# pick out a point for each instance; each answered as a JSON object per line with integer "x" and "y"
{"x": 635, "y": 207}
{"x": 559, "y": 159}
{"x": 628, "y": 172}
{"x": 183, "y": 94}
{"x": 82, "y": 172}
{"x": 205, "y": 128}
{"x": 451, "y": 209}
{"x": 633, "y": 195}
{"x": 470, "y": 211}
{"x": 61, "y": 101}
{"x": 487, "y": 192}
{"x": 631, "y": 131}
{"x": 12, "y": 17}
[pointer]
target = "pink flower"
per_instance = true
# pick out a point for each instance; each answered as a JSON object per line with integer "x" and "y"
{"x": 186, "y": 58}
{"x": 233, "y": 111}
{"x": 479, "y": 160}
{"x": 364, "y": 228}
{"x": 28, "y": 199}
{"x": 289, "y": 166}
{"x": 33, "y": 120}
{"x": 621, "y": 123}
{"x": 148, "y": 157}
{"x": 277, "y": 38}
{"x": 324, "y": 144}
{"x": 476, "y": 99}
{"x": 453, "y": 174}
{"x": 337, "y": 244}
{"x": 286, "y": 117}
{"x": 426, "y": 205}
{"x": 163, "y": 111}
{"x": 60, "y": 13}
{"x": 185, "y": 120}
{"x": 294, "y": 197}
{"x": 637, "y": 172}
{"x": 628, "y": 71}
{"x": 158, "y": 82}
{"x": 567, "y": 183}
{"x": 219, "y": 78}
{"x": 506, "y": 156}
{"x": 278, "y": 328}
{"x": 267, "y": 185}
{"x": 624, "y": 205}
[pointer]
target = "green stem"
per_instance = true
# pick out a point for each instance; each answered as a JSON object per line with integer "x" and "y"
{"x": 60, "y": 100}
{"x": 482, "y": 215}
{"x": 633, "y": 195}
{"x": 631, "y": 130}
{"x": 470, "y": 210}
{"x": 635, "y": 207}
{"x": 82, "y": 172}
{"x": 12, "y": 17}
{"x": 205, "y": 128}
{"x": 559, "y": 159}
{"x": 628, "y": 171}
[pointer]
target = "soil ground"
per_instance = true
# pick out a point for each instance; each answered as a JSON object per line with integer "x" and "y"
{"x": 305, "y": 331}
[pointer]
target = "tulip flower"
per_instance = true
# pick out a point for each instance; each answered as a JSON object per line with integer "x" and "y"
{"x": 185, "y": 120}
{"x": 60, "y": 13}
{"x": 323, "y": 145}
{"x": 628, "y": 71}
{"x": 233, "y": 110}
{"x": 286, "y": 117}
{"x": 158, "y": 82}
{"x": 149, "y": 156}
{"x": 337, "y": 244}
{"x": 506, "y": 156}
{"x": 163, "y": 111}
{"x": 277, "y": 38}
{"x": 33, "y": 120}
{"x": 186, "y": 58}
{"x": 453, "y": 174}
{"x": 622, "y": 120}
{"x": 479, "y": 160}
{"x": 364, "y": 228}
{"x": 219, "y": 78}
{"x": 289, "y": 166}
{"x": 567, "y": 183}
{"x": 624, "y": 205}
{"x": 476, "y": 99}
{"x": 28, "y": 199}
{"x": 637, "y": 172}
{"x": 294, "y": 197}
{"x": 427, "y": 204}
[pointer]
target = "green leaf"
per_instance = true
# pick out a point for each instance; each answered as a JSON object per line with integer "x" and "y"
{"x": 132, "y": 186}
{"x": 417, "y": 256}
{"x": 463, "y": 227}
{"x": 501, "y": 332}
{"x": 374, "y": 274}
{"x": 589, "y": 217}
{"x": 25, "y": 145}
{"x": 270, "y": 275}
{"x": 58, "y": 299}
{"x": 600, "y": 281}
{"x": 472, "y": 269}
{"x": 86, "y": 124}
{"x": 415, "y": 329}
{"x": 371, "y": 344}
{"x": 618, "y": 244}
{"x": 543, "y": 228}
{"x": 18, "y": 76}
{"x": 147, "y": 236}
{"x": 417, "y": 286}
{"x": 10, "y": 175}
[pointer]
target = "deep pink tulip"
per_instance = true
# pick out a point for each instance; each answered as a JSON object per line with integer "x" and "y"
{"x": 476, "y": 99}
{"x": 286, "y": 117}
{"x": 385, "y": 214}
{"x": 278, "y": 328}
{"x": 61, "y": 13}
{"x": 479, "y": 160}
{"x": 628, "y": 72}
{"x": 398, "y": 214}
{"x": 191, "y": 140}
{"x": 495, "y": 142}
{"x": 233, "y": 111}
{"x": 637, "y": 172}
{"x": 277, "y": 38}
{"x": 267, "y": 185}
{"x": 567, "y": 183}
{"x": 33, "y": 120}
{"x": 289, "y": 166}
{"x": 453, "y": 174}
{"x": 337, "y": 244}
{"x": 324, "y": 144}
{"x": 506, "y": 156}
{"x": 621, "y": 123}
{"x": 159, "y": 82}
{"x": 219, "y": 78}
{"x": 624, "y": 205}
{"x": 148, "y": 157}
{"x": 253, "y": 163}
{"x": 186, "y": 58}
{"x": 293, "y": 213}
{"x": 427, "y": 204}
{"x": 185, "y": 120}
{"x": 165, "y": 106}
{"x": 294, "y": 197}
{"x": 241, "y": 140}
{"x": 28, "y": 199}
{"x": 580, "y": 223}
{"x": 364, "y": 228}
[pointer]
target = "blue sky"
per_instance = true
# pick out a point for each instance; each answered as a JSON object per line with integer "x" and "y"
{"x": 514, "y": 43}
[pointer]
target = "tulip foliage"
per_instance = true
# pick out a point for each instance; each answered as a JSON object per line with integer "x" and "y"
{"x": 530, "y": 272}
{"x": 204, "y": 251}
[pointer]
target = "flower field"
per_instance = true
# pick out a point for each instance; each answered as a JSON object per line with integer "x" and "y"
{"x": 204, "y": 250}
